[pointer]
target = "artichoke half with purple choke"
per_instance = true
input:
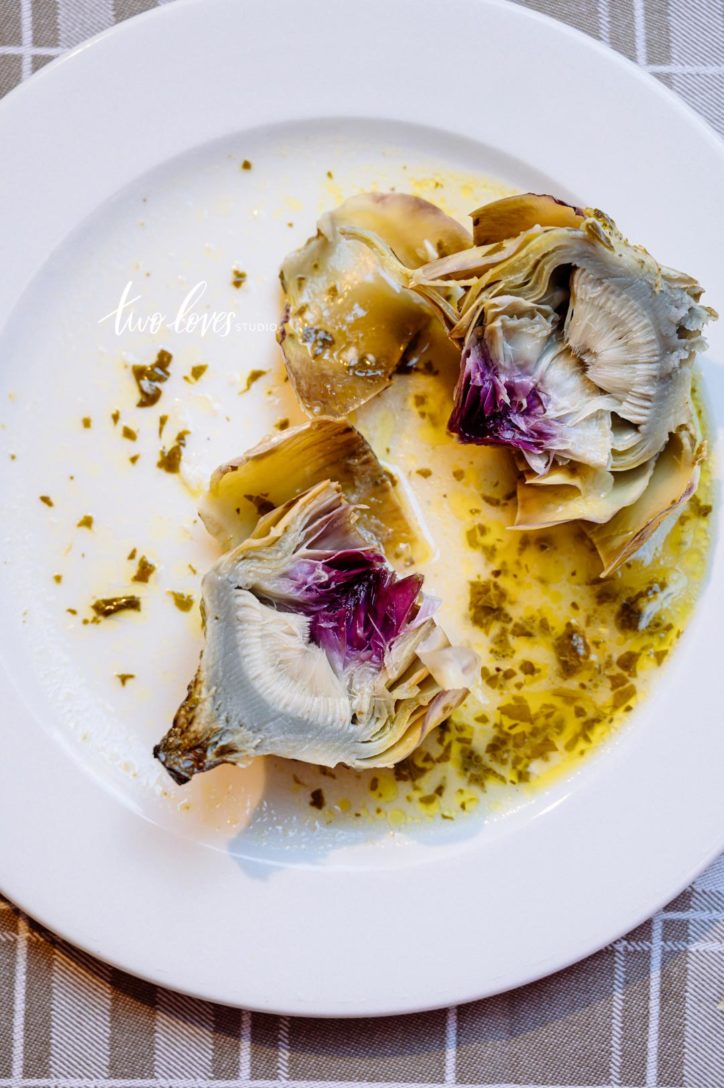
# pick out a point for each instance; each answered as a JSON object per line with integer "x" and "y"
{"x": 577, "y": 353}
{"x": 315, "y": 649}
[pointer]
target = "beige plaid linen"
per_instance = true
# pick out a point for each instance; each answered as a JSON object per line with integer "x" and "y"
{"x": 646, "y": 1012}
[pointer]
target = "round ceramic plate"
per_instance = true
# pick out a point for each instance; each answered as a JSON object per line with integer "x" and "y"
{"x": 123, "y": 164}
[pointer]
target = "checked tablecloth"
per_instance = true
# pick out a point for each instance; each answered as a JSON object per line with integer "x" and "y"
{"x": 646, "y": 1012}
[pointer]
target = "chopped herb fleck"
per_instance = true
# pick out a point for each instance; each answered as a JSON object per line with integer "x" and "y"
{"x": 637, "y": 613}
{"x": 246, "y": 165}
{"x": 134, "y": 458}
{"x": 486, "y": 601}
{"x": 183, "y": 601}
{"x": 617, "y": 680}
{"x": 132, "y": 554}
{"x": 87, "y": 422}
{"x": 86, "y": 522}
{"x": 253, "y": 376}
{"x": 115, "y": 416}
{"x": 58, "y": 578}
{"x": 703, "y": 509}
{"x": 129, "y": 433}
{"x": 408, "y": 770}
{"x": 124, "y": 677}
{"x": 517, "y": 711}
{"x": 623, "y": 695}
{"x": 238, "y": 278}
{"x": 197, "y": 372}
{"x": 149, "y": 379}
{"x": 162, "y": 421}
{"x": 572, "y": 650}
{"x": 108, "y": 606}
{"x": 628, "y": 662}
{"x": 282, "y": 424}
{"x": 170, "y": 460}
{"x": 424, "y": 472}
{"x": 144, "y": 570}
{"x": 500, "y": 645}
{"x": 47, "y": 500}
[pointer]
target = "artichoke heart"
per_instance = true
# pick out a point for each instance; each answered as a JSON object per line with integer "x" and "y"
{"x": 315, "y": 649}
{"x": 577, "y": 353}
{"x": 351, "y": 321}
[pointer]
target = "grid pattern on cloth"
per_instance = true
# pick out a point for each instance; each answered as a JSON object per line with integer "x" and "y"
{"x": 645, "y": 1012}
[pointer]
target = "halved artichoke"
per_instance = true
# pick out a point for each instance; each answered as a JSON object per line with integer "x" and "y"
{"x": 577, "y": 353}
{"x": 315, "y": 648}
{"x": 350, "y": 321}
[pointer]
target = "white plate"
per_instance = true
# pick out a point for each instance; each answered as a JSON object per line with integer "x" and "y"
{"x": 125, "y": 157}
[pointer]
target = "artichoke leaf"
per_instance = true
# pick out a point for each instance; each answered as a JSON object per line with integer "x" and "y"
{"x": 501, "y": 219}
{"x": 673, "y": 481}
{"x": 468, "y": 265}
{"x": 414, "y": 229}
{"x": 590, "y": 494}
{"x": 281, "y": 468}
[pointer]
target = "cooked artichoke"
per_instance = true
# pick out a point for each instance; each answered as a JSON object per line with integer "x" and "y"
{"x": 315, "y": 649}
{"x": 350, "y": 322}
{"x": 577, "y": 353}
